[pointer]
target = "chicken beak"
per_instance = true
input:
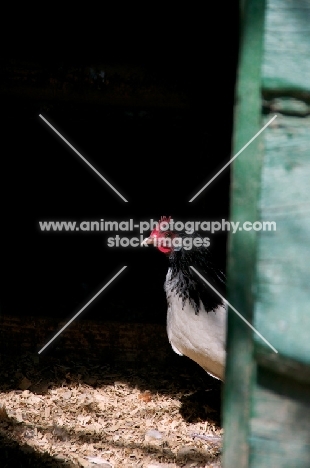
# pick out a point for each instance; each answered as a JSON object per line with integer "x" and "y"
{"x": 147, "y": 240}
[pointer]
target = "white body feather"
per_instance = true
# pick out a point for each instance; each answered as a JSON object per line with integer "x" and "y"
{"x": 201, "y": 337}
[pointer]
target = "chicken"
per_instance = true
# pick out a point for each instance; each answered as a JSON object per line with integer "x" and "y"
{"x": 196, "y": 316}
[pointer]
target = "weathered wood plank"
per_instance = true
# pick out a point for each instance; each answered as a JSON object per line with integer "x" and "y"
{"x": 280, "y": 425}
{"x": 286, "y": 63}
{"x": 242, "y": 246}
{"x": 280, "y": 412}
{"x": 271, "y": 427}
{"x": 283, "y": 292}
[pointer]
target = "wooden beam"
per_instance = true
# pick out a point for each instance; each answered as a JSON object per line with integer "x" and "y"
{"x": 242, "y": 245}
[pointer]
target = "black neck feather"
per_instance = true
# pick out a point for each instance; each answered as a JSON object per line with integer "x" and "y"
{"x": 187, "y": 284}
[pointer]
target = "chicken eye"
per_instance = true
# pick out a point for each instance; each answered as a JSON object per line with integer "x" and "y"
{"x": 167, "y": 234}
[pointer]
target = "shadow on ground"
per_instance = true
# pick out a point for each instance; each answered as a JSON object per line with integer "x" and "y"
{"x": 198, "y": 393}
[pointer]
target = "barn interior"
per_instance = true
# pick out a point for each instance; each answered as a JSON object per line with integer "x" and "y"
{"x": 150, "y": 106}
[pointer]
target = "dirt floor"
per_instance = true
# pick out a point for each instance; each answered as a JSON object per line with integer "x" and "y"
{"x": 65, "y": 412}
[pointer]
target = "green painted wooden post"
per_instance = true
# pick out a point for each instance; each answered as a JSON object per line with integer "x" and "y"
{"x": 242, "y": 246}
{"x": 267, "y": 395}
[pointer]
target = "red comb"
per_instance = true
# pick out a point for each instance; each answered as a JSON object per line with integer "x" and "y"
{"x": 164, "y": 219}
